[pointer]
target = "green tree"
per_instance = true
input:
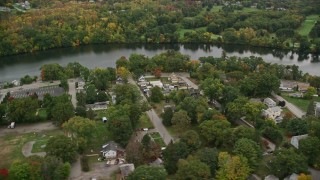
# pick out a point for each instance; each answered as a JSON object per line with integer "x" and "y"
{"x": 310, "y": 92}
{"x": 209, "y": 156}
{"x": 81, "y": 98}
{"x": 194, "y": 107}
{"x": 134, "y": 153}
{"x": 297, "y": 127}
{"x": 313, "y": 127}
{"x": 234, "y": 110}
{"x": 91, "y": 94}
{"x": 192, "y": 169}
{"x": 245, "y": 132}
{"x": 156, "y": 94}
{"x": 53, "y": 168}
{"x": 212, "y": 88}
{"x": 148, "y": 173}
{"x": 250, "y": 150}
{"x": 23, "y": 110}
{"x": 20, "y": 170}
{"x": 64, "y": 84}
{"x": 127, "y": 93}
{"x": 62, "y": 109}
{"x": 180, "y": 120}
{"x": 122, "y": 62}
{"x": 310, "y": 147}
{"x": 191, "y": 139}
{"x": 172, "y": 154}
{"x": 62, "y": 171}
{"x": 62, "y": 147}
{"x": 232, "y": 167}
{"x": 102, "y": 96}
{"x": 167, "y": 116}
{"x": 286, "y": 162}
{"x": 215, "y": 131}
{"x": 81, "y": 111}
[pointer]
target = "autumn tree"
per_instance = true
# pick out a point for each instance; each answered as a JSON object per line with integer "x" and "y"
{"x": 215, "y": 131}
{"x": 191, "y": 139}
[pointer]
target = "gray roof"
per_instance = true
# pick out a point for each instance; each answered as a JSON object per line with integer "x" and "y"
{"x": 126, "y": 169}
{"x": 111, "y": 145}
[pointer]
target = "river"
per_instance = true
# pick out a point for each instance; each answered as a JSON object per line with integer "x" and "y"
{"x": 91, "y": 56}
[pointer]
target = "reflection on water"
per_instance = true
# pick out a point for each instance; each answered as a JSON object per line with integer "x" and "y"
{"x": 14, "y": 67}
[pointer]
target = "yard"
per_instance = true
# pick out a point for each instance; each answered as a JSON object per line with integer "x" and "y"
{"x": 307, "y": 25}
{"x": 144, "y": 122}
{"x": 12, "y": 145}
{"x": 157, "y": 139}
{"x": 299, "y": 102}
{"x": 101, "y": 136}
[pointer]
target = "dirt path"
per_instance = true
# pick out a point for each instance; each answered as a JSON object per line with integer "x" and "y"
{"x": 22, "y": 129}
{"x": 27, "y": 148}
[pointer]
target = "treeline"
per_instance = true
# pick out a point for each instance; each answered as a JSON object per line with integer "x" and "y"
{"x": 68, "y": 23}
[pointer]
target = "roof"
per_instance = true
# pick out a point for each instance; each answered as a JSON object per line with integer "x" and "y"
{"x": 126, "y": 169}
{"x": 273, "y": 109}
{"x": 111, "y": 145}
{"x": 269, "y": 101}
{"x": 271, "y": 177}
{"x": 295, "y": 140}
{"x": 157, "y": 162}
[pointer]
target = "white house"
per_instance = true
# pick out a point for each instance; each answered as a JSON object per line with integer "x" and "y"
{"x": 272, "y": 113}
{"x": 111, "y": 150}
{"x": 142, "y": 79}
{"x": 156, "y": 83}
{"x": 295, "y": 140}
{"x": 269, "y": 102}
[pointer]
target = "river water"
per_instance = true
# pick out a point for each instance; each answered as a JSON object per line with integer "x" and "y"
{"x": 91, "y": 56}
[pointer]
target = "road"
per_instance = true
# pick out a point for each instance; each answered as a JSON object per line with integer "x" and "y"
{"x": 155, "y": 119}
{"x": 72, "y": 91}
{"x": 294, "y": 109}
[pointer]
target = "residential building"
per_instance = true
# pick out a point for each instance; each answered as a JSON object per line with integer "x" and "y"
{"x": 317, "y": 109}
{"x": 272, "y": 113}
{"x": 295, "y": 140}
{"x": 112, "y": 150}
{"x": 269, "y": 102}
{"x": 156, "y": 83}
{"x": 174, "y": 78}
{"x": 287, "y": 85}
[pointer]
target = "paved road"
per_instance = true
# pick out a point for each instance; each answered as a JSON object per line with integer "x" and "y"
{"x": 294, "y": 109}
{"x": 27, "y": 148}
{"x": 155, "y": 119}
{"x": 72, "y": 91}
{"x": 22, "y": 129}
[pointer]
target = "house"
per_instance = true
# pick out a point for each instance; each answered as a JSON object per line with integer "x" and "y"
{"x": 112, "y": 150}
{"x": 293, "y": 176}
{"x": 269, "y": 102}
{"x": 272, "y": 113}
{"x": 80, "y": 86}
{"x": 156, "y": 83}
{"x": 287, "y": 85}
{"x": 119, "y": 80}
{"x": 174, "y": 78}
{"x": 142, "y": 79}
{"x": 271, "y": 177}
{"x": 317, "y": 109}
{"x": 126, "y": 169}
{"x": 97, "y": 106}
{"x": 16, "y": 83}
{"x": 295, "y": 140}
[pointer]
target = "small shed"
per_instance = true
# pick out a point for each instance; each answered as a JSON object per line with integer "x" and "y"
{"x": 104, "y": 119}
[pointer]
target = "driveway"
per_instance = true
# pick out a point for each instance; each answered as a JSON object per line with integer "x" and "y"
{"x": 72, "y": 91}
{"x": 27, "y": 148}
{"x": 294, "y": 109}
{"x": 155, "y": 119}
{"x": 28, "y": 128}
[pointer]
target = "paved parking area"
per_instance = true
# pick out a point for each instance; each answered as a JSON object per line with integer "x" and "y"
{"x": 52, "y": 90}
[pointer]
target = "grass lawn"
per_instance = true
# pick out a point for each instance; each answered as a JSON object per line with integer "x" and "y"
{"x": 42, "y": 113}
{"x": 100, "y": 114}
{"x": 307, "y": 25}
{"x": 12, "y": 145}
{"x": 37, "y": 145}
{"x": 299, "y": 102}
{"x": 144, "y": 122}
{"x": 157, "y": 139}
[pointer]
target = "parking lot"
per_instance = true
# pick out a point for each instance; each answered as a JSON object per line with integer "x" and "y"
{"x": 52, "y": 90}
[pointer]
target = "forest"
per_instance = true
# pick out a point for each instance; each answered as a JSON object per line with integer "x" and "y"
{"x": 63, "y": 23}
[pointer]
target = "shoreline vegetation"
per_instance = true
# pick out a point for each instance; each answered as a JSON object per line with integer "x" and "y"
{"x": 45, "y": 26}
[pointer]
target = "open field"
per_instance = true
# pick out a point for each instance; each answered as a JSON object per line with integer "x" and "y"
{"x": 307, "y": 25}
{"x": 12, "y": 145}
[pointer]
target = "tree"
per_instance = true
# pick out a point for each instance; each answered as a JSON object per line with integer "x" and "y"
{"x": 156, "y": 94}
{"x": 167, "y": 116}
{"x": 81, "y": 99}
{"x": 64, "y": 84}
{"x": 62, "y": 147}
{"x": 234, "y": 109}
{"x": 195, "y": 107}
{"x": 313, "y": 127}
{"x": 122, "y": 62}
{"x": 53, "y": 168}
{"x": 81, "y": 111}
{"x": 148, "y": 173}
{"x": 215, "y": 131}
{"x": 232, "y": 167}
{"x": 191, "y": 139}
{"x": 23, "y": 110}
{"x": 62, "y": 109}
{"x": 212, "y": 88}
{"x": 310, "y": 147}
{"x": 126, "y": 93}
{"x": 180, "y": 120}
{"x": 310, "y": 92}
{"x": 245, "y": 132}
{"x": 91, "y": 94}
{"x": 20, "y": 170}
{"x": 297, "y": 127}
{"x": 250, "y": 150}
{"x": 192, "y": 169}
{"x": 123, "y": 73}
{"x": 134, "y": 153}
{"x": 286, "y": 162}
{"x": 311, "y": 108}
{"x": 172, "y": 154}
{"x": 209, "y": 156}
{"x": 102, "y": 96}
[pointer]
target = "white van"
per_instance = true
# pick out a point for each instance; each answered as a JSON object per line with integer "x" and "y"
{"x": 12, "y": 125}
